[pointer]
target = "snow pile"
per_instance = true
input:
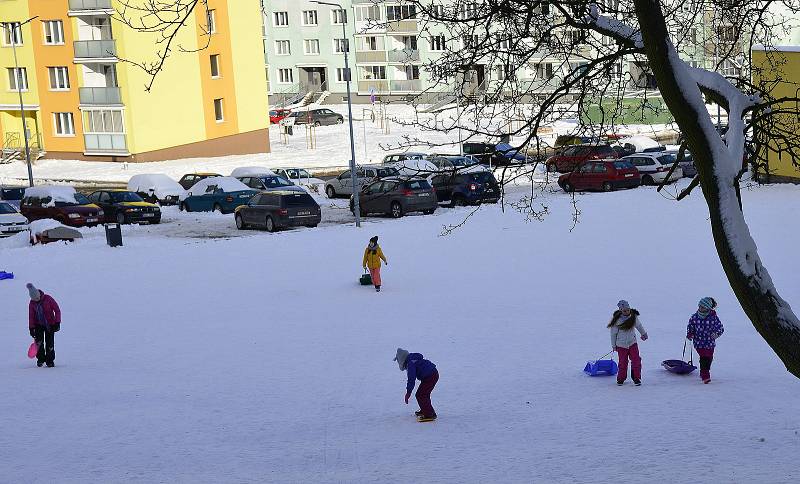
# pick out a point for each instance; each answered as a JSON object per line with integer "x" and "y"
{"x": 56, "y": 193}
{"x": 161, "y": 185}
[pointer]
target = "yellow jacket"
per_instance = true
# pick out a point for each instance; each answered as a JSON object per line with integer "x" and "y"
{"x": 373, "y": 261}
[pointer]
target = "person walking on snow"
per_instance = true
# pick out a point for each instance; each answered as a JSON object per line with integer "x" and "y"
{"x": 44, "y": 320}
{"x": 418, "y": 368}
{"x": 373, "y": 255}
{"x": 703, "y": 329}
{"x": 624, "y": 324}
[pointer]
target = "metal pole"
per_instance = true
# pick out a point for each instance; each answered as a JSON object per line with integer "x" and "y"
{"x": 458, "y": 120}
{"x": 21, "y": 103}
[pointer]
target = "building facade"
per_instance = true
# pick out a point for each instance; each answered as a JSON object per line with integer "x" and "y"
{"x": 84, "y": 98}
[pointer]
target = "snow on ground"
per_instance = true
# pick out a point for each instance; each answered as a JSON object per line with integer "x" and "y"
{"x": 260, "y": 358}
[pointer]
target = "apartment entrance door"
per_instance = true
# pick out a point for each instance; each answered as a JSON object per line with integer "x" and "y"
{"x": 313, "y": 78}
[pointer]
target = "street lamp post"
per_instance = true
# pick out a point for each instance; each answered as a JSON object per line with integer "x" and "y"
{"x": 19, "y": 92}
{"x": 347, "y": 76}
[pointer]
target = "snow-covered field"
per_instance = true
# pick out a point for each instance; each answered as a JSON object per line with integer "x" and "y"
{"x": 260, "y": 359}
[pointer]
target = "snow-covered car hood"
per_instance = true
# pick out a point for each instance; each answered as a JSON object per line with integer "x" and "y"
{"x": 12, "y": 218}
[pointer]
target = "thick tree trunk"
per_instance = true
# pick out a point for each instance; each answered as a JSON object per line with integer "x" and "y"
{"x": 750, "y": 281}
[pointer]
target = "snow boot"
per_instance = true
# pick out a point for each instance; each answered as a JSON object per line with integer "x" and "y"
{"x": 423, "y": 418}
{"x": 638, "y": 383}
{"x": 707, "y": 381}
{"x": 50, "y": 364}
{"x": 39, "y": 363}
{"x": 620, "y": 383}
{"x": 418, "y": 413}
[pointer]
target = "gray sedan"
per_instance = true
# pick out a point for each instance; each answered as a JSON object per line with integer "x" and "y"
{"x": 396, "y": 197}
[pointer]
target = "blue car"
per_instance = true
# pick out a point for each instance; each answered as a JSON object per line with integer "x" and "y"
{"x": 220, "y": 194}
{"x": 462, "y": 189}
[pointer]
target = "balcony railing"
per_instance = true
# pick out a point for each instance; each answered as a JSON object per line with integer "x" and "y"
{"x": 410, "y": 85}
{"x": 110, "y": 143}
{"x": 404, "y": 55}
{"x": 373, "y": 85}
{"x": 371, "y": 56}
{"x": 77, "y": 5}
{"x": 402, "y": 26}
{"x": 100, "y": 95}
{"x": 95, "y": 49}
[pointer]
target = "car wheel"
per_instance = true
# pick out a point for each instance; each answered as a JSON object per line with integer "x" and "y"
{"x": 339, "y": 120}
{"x": 270, "y": 224}
{"x": 239, "y": 222}
{"x": 647, "y": 180}
{"x": 429, "y": 212}
{"x": 458, "y": 201}
{"x": 120, "y": 218}
{"x": 551, "y": 168}
{"x": 396, "y": 210}
{"x": 608, "y": 187}
{"x": 217, "y": 208}
{"x": 568, "y": 187}
{"x": 183, "y": 207}
{"x": 317, "y": 124}
{"x": 330, "y": 191}
{"x": 311, "y": 226}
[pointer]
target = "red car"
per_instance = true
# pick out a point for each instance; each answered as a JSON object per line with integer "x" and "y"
{"x": 275, "y": 115}
{"x": 601, "y": 175}
{"x": 572, "y": 157}
{"x": 61, "y": 203}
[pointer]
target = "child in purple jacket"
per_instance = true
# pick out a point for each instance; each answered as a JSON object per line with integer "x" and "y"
{"x": 418, "y": 368}
{"x": 703, "y": 329}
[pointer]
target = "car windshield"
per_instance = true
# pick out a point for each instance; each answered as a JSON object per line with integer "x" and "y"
{"x": 120, "y": 197}
{"x": 418, "y": 185}
{"x": 668, "y": 159}
{"x": 7, "y": 208}
{"x": 275, "y": 182}
{"x": 482, "y": 177}
{"x": 386, "y": 172}
{"x": 298, "y": 200}
{"x": 623, "y": 165}
{"x": 12, "y": 193}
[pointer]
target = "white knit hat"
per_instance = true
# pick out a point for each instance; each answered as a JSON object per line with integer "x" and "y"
{"x": 35, "y": 293}
{"x": 401, "y": 357}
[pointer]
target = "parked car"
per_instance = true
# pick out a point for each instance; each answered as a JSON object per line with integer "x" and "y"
{"x": 654, "y": 167}
{"x": 493, "y": 154}
{"x": 275, "y": 115}
{"x": 636, "y": 144}
{"x": 187, "y": 181}
{"x": 415, "y": 168}
{"x": 317, "y": 117}
{"x": 277, "y": 210}
{"x": 156, "y": 188}
{"x": 571, "y": 139}
{"x": 466, "y": 188}
{"x": 686, "y": 163}
{"x": 342, "y": 185}
{"x": 220, "y": 194}
{"x": 12, "y": 194}
{"x": 125, "y": 207}
{"x": 299, "y": 176}
{"x": 574, "y": 156}
{"x": 409, "y": 155}
{"x": 462, "y": 164}
{"x": 269, "y": 183}
{"x": 397, "y": 196}
{"x": 251, "y": 171}
{"x": 601, "y": 175}
{"x": 11, "y": 221}
{"x": 61, "y": 203}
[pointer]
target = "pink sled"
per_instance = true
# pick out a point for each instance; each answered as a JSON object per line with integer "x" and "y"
{"x": 33, "y": 349}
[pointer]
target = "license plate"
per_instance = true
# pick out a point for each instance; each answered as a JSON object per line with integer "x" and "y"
{"x": 303, "y": 213}
{"x": 424, "y": 194}
{"x": 90, "y": 220}
{"x": 149, "y": 215}
{"x": 629, "y": 175}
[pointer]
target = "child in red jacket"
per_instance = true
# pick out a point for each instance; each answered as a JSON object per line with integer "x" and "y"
{"x": 44, "y": 320}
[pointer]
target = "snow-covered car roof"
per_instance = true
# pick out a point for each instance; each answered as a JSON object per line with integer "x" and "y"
{"x": 639, "y": 142}
{"x": 415, "y": 167}
{"x": 251, "y": 171}
{"x": 162, "y": 185}
{"x": 58, "y": 193}
{"x": 225, "y": 183}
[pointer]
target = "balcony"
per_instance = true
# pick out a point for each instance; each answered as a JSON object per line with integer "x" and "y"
{"x": 105, "y": 144}
{"x": 90, "y": 7}
{"x": 404, "y": 56}
{"x": 95, "y": 49}
{"x": 402, "y": 26}
{"x": 100, "y": 96}
{"x": 410, "y": 85}
{"x": 379, "y": 86}
{"x": 369, "y": 56}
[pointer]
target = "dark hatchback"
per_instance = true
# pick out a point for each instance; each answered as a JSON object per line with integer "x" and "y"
{"x": 277, "y": 210}
{"x": 187, "y": 181}
{"x": 466, "y": 188}
{"x": 396, "y": 197}
{"x": 125, "y": 207}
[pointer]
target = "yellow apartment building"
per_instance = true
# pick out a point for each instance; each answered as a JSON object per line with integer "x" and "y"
{"x": 83, "y": 99}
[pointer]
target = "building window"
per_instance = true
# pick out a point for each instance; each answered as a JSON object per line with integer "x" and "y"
{"x": 468, "y": 10}
{"x": 214, "y": 59}
{"x": 282, "y": 47}
{"x": 218, "y": 114}
{"x": 369, "y": 13}
{"x": 340, "y": 46}
{"x": 311, "y": 46}
{"x": 505, "y": 72}
{"x": 338, "y": 16}
{"x": 505, "y": 43}
{"x": 544, "y": 70}
{"x": 59, "y": 78}
{"x": 437, "y": 43}
{"x": 18, "y": 79}
{"x": 412, "y": 72}
{"x": 310, "y": 17}
{"x": 63, "y": 124}
{"x": 341, "y": 74}
{"x": 437, "y": 11}
{"x": 374, "y": 72}
{"x": 409, "y": 42}
{"x": 280, "y": 19}
{"x": 470, "y": 41}
{"x": 285, "y": 76}
{"x": 370, "y": 43}
{"x": 53, "y": 32}
{"x": 103, "y": 121}
{"x": 401, "y": 12}
{"x": 12, "y": 33}
{"x": 211, "y": 21}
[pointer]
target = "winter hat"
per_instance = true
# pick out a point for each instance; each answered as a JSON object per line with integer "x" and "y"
{"x": 35, "y": 293}
{"x": 707, "y": 303}
{"x": 374, "y": 239}
{"x": 401, "y": 357}
{"x": 623, "y": 304}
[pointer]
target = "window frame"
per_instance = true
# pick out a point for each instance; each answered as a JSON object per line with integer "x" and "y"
{"x": 53, "y": 74}
{"x": 211, "y": 20}
{"x": 214, "y": 64}
{"x": 12, "y": 34}
{"x": 283, "y": 15}
{"x": 219, "y": 110}
{"x": 307, "y": 43}
{"x": 47, "y": 31}
{"x": 62, "y": 120}
{"x": 285, "y": 70}
{"x": 14, "y": 74}
{"x": 306, "y": 15}
{"x": 281, "y": 42}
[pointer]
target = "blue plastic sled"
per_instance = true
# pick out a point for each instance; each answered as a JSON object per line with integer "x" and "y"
{"x": 601, "y": 368}
{"x": 6, "y": 275}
